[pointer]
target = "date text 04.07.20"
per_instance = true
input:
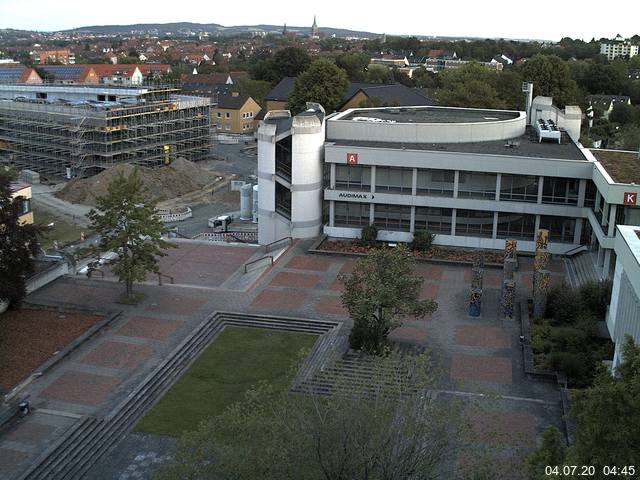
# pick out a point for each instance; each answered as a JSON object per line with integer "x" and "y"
{"x": 628, "y": 471}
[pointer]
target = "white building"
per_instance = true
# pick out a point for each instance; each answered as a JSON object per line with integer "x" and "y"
{"x": 618, "y": 48}
{"x": 623, "y": 317}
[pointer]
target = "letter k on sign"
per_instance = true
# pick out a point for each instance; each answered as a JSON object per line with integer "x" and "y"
{"x": 630, "y": 198}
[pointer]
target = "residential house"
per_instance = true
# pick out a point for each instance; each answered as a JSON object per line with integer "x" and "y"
{"x": 633, "y": 74}
{"x": 16, "y": 73}
{"x": 619, "y": 47}
{"x": 63, "y": 56}
{"x": 21, "y": 192}
{"x": 503, "y": 59}
{"x": 118, "y": 74}
{"x": 605, "y": 103}
{"x": 235, "y": 113}
{"x": 70, "y": 74}
{"x": 154, "y": 70}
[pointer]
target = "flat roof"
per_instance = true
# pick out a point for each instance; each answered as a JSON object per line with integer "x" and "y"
{"x": 427, "y": 114}
{"x": 623, "y": 166}
{"x": 523, "y": 146}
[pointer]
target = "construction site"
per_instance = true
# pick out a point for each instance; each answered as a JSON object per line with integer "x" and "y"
{"x": 81, "y": 130}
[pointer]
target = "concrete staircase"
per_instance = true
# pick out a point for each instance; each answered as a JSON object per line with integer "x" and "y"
{"x": 91, "y": 438}
{"x": 580, "y": 269}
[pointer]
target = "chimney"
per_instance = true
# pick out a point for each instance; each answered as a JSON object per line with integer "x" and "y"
{"x": 527, "y": 87}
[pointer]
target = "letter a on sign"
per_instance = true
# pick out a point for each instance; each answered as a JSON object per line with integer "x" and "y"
{"x": 630, "y": 198}
{"x": 352, "y": 158}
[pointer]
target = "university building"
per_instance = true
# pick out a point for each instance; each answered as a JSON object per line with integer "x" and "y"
{"x": 472, "y": 177}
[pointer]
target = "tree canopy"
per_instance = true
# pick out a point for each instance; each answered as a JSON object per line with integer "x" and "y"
{"x": 18, "y": 245}
{"x": 382, "y": 288}
{"x": 551, "y": 78}
{"x": 323, "y": 82}
{"x": 126, "y": 221}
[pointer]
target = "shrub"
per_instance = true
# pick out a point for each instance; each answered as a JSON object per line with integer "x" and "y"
{"x": 575, "y": 365}
{"x": 368, "y": 235}
{"x": 422, "y": 241}
{"x": 595, "y": 297}
{"x": 562, "y": 304}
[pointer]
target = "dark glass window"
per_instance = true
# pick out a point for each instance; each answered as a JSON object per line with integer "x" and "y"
{"x": 474, "y": 223}
{"x": 433, "y": 219}
{"x": 392, "y": 217}
{"x": 516, "y": 225}
{"x": 519, "y": 188}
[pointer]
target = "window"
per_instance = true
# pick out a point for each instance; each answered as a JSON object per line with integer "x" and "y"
{"x": 433, "y": 219}
{"x": 283, "y": 201}
{"x": 435, "y": 182}
{"x": 391, "y": 179}
{"x": 392, "y": 217}
{"x": 560, "y": 228}
{"x": 26, "y": 206}
{"x": 227, "y": 115}
{"x": 477, "y": 185}
{"x": 516, "y": 225}
{"x": 283, "y": 158}
{"x": 519, "y": 188}
{"x": 227, "y": 127}
{"x": 590, "y": 195}
{"x": 251, "y": 114}
{"x": 474, "y": 223}
{"x": 560, "y": 190}
{"x": 353, "y": 177}
{"x": 219, "y": 114}
{"x": 351, "y": 214}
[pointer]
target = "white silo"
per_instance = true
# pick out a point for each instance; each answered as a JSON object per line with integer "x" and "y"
{"x": 245, "y": 202}
{"x": 255, "y": 204}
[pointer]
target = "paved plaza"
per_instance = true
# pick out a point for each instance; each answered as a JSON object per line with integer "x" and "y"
{"x": 479, "y": 357}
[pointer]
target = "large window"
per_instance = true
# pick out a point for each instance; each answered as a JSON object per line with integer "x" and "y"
{"x": 516, "y": 225}
{"x": 477, "y": 185}
{"x": 435, "y": 182}
{"x": 433, "y": 219}
{"x": 561, "y": 229}
{"x": 474, "y": 223}
{"x": 519, "y": 188}
{"x": 392, "y": 217}
{"x": 391, "y": 179}
{"x": 354, "y": 177}
{"x": 590, "y": 194}
{"x": 283, "y": 201}
{"x": 351, "y": 214}
{"x": 560, "y": 190}
{"x": 283, "y": 158}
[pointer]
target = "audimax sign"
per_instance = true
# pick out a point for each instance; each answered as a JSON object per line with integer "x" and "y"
{"x": 359, "y": 196}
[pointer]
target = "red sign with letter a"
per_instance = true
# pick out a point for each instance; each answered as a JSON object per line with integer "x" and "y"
{"x": 352, "y": 158}
{"x": 630, "y": 198}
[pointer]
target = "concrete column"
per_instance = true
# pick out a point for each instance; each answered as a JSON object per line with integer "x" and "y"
{"x": 453, "y": 221}
{"x": 578, "y": 231}
{"x": 371, "y": 212}
{"x": 605, "y": 214}
{"x": 596, "y": 205}
{"x": 607, "y": 263}
{"x": 498, "y": 182}
{"x": 612, "y": 219}
{"x": 540, "y": 187}
{"x": 414, "y": 183}
{"x": 412, "y": 224}
{"x": 373, "y": 179}
{"x": 456, "y": 182}
{"x": 332, "y": 211}
{"x": 582, "y": 190}
{"x": 332, "y": 180}
{"x": 537, "y": 227}
{"x": 494, "y": 232}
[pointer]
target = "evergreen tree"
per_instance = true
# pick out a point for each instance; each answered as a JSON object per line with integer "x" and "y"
{"x": 323, "y": 82}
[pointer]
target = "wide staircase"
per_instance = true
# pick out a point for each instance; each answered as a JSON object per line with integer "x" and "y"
{"x": 91, "y": 438}
{"x": 361, "y": 374}
{"x": 580, "y": 269}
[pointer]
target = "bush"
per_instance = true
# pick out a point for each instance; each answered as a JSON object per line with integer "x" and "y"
{"x": 595, "y": 297}
{"x": 422, "y": 241}
{"x": 562, "y": 304}
{"x": 368, "y": 235}
{"x": 576, "y": 366}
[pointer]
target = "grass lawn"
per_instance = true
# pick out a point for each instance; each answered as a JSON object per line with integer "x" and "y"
{"x": 236, "y": 360}
{"x": 62, "y": 231}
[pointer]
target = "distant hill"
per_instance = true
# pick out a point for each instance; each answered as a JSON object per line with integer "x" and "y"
{"x": 183, "y": 28}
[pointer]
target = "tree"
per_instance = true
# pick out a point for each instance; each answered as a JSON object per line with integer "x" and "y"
{"x": 127, "y": 224}
{"x": 291, "y": 61}
{"x": 18, "y": 245}
{"x": 471, "y": 85}
{"x": 623, "y": 113}
{"x": 323, "y": 82}
{"x": 551, "y": 78}
{"x": 382, "y": 288}
{"x": 375, "y": 430}
{"x": 355, "y": 64}
{"x": 256, "y": 89}
{"x": 378, "y": 74}
{"x": 607, "y": 419}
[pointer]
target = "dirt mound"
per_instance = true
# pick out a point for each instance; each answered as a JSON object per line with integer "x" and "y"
{"x": 164, "y": 183}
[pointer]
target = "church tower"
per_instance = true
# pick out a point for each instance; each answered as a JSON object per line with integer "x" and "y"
{"x": 314, "y": 29}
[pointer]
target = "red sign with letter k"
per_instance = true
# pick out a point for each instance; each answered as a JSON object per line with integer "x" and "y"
{"x": 630, "y": 198}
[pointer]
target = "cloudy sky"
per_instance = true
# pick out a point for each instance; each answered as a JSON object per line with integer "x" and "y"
{"x": 543, "y": 19}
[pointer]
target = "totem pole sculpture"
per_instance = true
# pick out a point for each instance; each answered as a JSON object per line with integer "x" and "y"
{"x": 508, "y": 283}
{"x": 475, "y": 298}
{"x": 541, "y": 275}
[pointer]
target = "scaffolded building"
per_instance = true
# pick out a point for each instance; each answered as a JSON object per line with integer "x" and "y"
{"x": 80, "y": 130}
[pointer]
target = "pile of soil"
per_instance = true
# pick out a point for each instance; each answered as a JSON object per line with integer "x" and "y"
{"x": 164, "y": 183}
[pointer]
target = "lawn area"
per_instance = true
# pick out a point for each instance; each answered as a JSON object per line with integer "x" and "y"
{"x": 62, "y": 231}
{"x": 236, "y": 360}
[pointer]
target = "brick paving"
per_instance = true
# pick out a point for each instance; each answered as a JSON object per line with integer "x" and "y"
{"x": 295, "y": 280}
{"x": 82, "y": 388}
{"x": 153, "y": 328}
{"x": 30, "y": 432}
{"x": 490, "y": 278}
{"x": 117, "y": 355}
{"x": 280, "y": 300}
{"x": 307, "y": 262}
{"x": 501, "y": 427}
{"x": 171, "y": 303}
{"x": 430, "y": 272}
{"x": 482, "y": 336}
{"x": 481, "y": 368}
{"x": 330, "y": 304}
{"x": 10, "y": 459}
{"x": 409, "y": 334}
{"x": 430, "y": 291}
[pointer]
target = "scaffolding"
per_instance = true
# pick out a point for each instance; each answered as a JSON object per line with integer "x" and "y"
{"x": 82, "y": 140}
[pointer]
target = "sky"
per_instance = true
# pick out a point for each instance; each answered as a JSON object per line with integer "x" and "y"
{"x": 542, "y": 19}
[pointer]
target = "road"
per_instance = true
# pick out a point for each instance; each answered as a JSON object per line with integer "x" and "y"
{"x": 43, "y": 197}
